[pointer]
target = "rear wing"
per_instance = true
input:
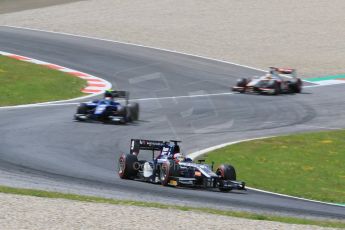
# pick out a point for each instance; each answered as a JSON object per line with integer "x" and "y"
{"x": 287, "y": 71}
{"x": 140, "y": 144}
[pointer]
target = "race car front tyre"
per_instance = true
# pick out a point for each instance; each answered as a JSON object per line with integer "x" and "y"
{"x": 242, "y": 82}
{"x": 226, "y": 172}
{"x": 128, "y": 166}
{"x": 164, "y": 173}
{"x": 82, "y": 109}
{"x": 78, "y": 118}
{"x": 168, "y": 169}
{"x": 276, "y": 88}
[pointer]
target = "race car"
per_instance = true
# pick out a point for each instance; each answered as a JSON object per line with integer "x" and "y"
{"x": 171, "y": 167}
{"x": 108, "y": 110}
{"x": 278, "y": 80}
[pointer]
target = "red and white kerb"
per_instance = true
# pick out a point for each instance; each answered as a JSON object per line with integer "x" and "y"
{"x": 95, "y": 85}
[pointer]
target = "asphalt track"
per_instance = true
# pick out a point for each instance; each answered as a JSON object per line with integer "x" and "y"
{"x": 43, "y": 147}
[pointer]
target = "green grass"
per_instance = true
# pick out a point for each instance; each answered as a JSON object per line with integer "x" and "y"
{"x": 22, "y": 83}
{"x": 309, "y": 165}
{"x": 57, "y": 195}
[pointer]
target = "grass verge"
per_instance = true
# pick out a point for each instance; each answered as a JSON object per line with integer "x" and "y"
{"x": 24, "y": 83}
{"x": 57, "y": 195}
{"x": 309, "y": 165}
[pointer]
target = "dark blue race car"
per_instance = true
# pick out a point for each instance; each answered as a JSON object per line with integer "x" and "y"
{"x": 107, "y": 110}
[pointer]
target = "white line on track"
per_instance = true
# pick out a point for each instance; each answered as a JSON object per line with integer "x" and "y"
{"x": 139, "y": 99}
{"x": 51, "y": 103}
{"x": 322, "y": 127}
{"x": 37, "y": 105}
{"x": 203, "y": 151}
{"x": 65, "y": 102}
{"x": 187, "y": 96}
{"x": 314, "y": 86}
{"x": 294, "y": 197}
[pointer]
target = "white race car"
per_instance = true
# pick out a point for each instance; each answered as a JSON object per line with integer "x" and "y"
{"x": 278, "y": 80}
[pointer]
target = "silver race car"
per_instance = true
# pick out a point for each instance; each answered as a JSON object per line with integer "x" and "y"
{"x": 278, "y": 80}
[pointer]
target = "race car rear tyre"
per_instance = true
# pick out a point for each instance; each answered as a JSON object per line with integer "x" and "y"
{"x": 134, "y": 111}
{"x": 164, "y": 173}
{"x": 296, "y": 86}
{"x": 128, "y": 166}
{"x": 226, "y": 172}
{"x": 168, "y": 169}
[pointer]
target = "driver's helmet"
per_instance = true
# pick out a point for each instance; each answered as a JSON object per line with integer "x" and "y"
{"x": 178, "y": 157}
{"x": 268, "y": 76}
{"x": 108, "y": 95}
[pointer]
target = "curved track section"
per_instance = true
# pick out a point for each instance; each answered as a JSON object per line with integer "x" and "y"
{"x": 44, "y": 148}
